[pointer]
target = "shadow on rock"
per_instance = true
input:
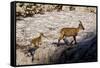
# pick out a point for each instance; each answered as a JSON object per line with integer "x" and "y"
{"x": 86, "y": 51}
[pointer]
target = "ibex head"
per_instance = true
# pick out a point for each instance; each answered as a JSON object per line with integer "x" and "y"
{"x": 41, "y": 34}
{"x": 81, "y": 25}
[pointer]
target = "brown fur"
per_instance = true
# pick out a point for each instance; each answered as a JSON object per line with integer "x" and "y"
{"x": 37, "y": 41}
{"x": 68, "y": 32}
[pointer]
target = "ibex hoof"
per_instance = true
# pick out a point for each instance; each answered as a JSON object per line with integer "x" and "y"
{"x": 75, "y": 42}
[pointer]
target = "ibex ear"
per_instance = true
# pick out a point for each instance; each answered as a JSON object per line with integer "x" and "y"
{"x": 41, "y": 33}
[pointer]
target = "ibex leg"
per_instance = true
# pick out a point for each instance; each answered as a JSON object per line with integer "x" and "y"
{"x": 75, "y": 39}
{"x": 60, "y": 38}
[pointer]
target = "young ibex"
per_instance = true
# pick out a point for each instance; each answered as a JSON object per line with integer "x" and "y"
{"x": 37, "y": 41}
{"x": 67, "y": 32}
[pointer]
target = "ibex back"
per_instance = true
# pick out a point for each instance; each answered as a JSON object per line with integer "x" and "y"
{"x": 67, "y": 32}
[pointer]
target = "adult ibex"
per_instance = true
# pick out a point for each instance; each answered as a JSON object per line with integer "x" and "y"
{"x": 68, "y": 32}
{"x": 37, "y": 41}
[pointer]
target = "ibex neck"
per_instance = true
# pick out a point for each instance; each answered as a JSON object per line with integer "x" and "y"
{"x": 40, "y": 36}
{"x": 78, "y": 29}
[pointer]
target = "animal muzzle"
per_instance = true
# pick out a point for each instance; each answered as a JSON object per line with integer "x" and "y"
{"x": 83, "y": 28}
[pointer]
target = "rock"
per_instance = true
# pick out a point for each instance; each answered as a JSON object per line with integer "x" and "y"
{"x": 86, "y": 51}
